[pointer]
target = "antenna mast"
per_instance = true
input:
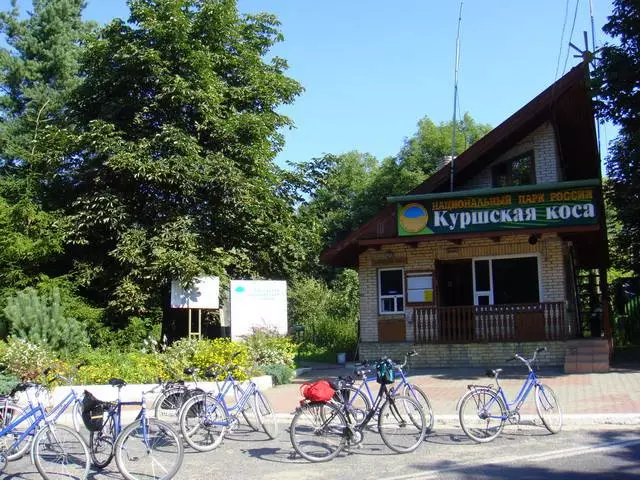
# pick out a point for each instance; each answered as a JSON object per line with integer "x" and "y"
{"x": 455, "y": 100}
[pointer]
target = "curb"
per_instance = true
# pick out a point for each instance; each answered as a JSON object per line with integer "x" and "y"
{"x": 569, "y": 420}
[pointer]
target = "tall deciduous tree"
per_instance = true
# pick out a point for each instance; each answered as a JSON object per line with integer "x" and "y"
{"x": 172, "y": 165}
{"x": 617, "y": 85}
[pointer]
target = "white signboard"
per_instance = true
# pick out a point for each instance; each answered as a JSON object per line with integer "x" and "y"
{"x": 204, "y": 294}
{"x": 258, "y": 304}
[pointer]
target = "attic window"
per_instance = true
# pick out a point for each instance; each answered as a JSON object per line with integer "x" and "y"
{"x": 515, "y": 171}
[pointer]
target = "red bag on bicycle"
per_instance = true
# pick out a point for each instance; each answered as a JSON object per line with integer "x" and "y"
{"x": 320, "y": 391}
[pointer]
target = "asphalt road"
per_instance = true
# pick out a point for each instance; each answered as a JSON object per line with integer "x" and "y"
{"x": 526, "y": 452}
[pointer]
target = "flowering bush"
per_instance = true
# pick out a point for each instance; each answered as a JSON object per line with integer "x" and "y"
{"x": 220, "y": 351}
{"x": 25, "y": 360}
{"x": 268, "y": 347}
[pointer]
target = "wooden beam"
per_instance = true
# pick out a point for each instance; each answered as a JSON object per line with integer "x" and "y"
{"x": 495, "y": 239}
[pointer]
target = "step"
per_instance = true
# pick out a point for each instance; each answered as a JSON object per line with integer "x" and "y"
{"x": 586, "y": 367}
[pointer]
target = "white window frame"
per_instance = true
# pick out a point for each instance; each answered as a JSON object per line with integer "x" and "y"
{"x": 481, "y": 293}
{"x": 395, "y": 297}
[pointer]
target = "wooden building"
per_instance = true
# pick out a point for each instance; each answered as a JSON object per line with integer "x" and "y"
{"x": 513, "y": 256}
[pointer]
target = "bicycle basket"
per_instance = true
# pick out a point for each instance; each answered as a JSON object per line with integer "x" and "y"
{"x": 384, "y": 372}
{"x": 320, "y": 391}
{"x": 92, "y": 412}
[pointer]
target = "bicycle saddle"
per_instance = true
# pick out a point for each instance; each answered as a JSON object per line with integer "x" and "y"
{"x": 117, "y": 382}
{"x": 189, "y": 371}
{"x": 494, "y": 373}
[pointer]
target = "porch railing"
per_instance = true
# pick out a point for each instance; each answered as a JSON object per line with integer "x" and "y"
{"x": 490, "y": 323}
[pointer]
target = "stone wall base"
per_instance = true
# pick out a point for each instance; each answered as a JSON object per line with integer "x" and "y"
{"x": 485, "y": 355}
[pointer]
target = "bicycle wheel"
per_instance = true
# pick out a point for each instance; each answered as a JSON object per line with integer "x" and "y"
{"x": 548, "y": 408}
{"x": 482, "y": 415}
{"x": 168, "y": 404}
{"x": 413, "y": 391}
{"x": 203, "y": 422}
{"x": 10, "y": 413}
{"x": 149, "y": 449}
{"x": 357, "y": 404}
{"x": 318, "y": 431}
{"x": 101, "y": 444}
{"x": 266, "y": 414}
{"x": 76, "y": 416}
{"x": 402, "y": 424}
{"x": 59, "y": 452}
{"x": 248, "y": 412}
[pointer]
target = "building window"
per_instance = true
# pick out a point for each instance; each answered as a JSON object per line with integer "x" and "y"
{"x": 391, "y": 290}
{"x": 504, "y": 281}
{"x": 419, "y": 288}
{"x": 515, "y": 171}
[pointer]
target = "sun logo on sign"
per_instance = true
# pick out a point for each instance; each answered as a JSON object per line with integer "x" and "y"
{"x": 413, "y": 217}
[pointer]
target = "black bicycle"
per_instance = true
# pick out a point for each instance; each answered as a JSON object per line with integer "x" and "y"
{"x": 321, "y": 430}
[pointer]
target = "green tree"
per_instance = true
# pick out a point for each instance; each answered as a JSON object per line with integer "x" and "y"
{"x": 38, "y": 70}
{"x": 172, "y": 153}
{"x": 616, "y": 80}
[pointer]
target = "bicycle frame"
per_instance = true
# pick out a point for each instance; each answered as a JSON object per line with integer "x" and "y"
{"x": 39, "y": 415}
{"x": 115, "y": 411}
{"x": 364, "y": 384}
{"x": 233, "y": 410}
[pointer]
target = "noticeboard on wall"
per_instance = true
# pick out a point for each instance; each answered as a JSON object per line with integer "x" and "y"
{"x": 258, "y": 304}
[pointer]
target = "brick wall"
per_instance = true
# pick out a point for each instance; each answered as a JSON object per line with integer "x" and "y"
{"x": 543, "y": 143}
{"x": 549, "y": 249}
{"x": 485, "y": 355}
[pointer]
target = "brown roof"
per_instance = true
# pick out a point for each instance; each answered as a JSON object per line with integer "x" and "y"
{"x": 566, "y": 104}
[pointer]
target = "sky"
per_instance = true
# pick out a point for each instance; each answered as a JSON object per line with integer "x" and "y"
{"x": 372, "y": 69}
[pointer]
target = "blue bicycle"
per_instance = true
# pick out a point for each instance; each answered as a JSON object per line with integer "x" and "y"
{"x": 360, "y": 399}
{"x": 147, "y": 448}
{"x": 56, "y": 450}
{"x": 206, "y": 418}
{"x": 484, "y": 409}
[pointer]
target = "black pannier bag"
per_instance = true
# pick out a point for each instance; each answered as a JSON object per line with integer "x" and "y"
{"x": 92, "y": 412}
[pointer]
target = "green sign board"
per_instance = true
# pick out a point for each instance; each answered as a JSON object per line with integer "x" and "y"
{"x": 503, "y": 211}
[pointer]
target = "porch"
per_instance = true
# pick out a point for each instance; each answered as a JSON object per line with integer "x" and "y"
{"x": 530, "y": 322}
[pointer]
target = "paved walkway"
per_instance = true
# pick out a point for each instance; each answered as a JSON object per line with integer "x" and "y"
{"x": 599, "y": 398}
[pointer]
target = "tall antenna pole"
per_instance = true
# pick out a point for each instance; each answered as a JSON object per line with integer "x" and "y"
{"x": 593, "y": 45}
{"x": 455, "y": 100}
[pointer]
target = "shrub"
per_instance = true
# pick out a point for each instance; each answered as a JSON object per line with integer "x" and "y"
{"x": 268, "y": 347}
{"x": 280, "y": 373}
{"x": 7, "y": 382}
{"x": 40, "y": 320}
{"x": 178, "y": 356}
{"x": 220, "y": 351}
{"x": 25, "y": 360}
{"x": 133, "y": 367}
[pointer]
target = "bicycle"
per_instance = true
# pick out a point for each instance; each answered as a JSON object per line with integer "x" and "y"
{"x": 146, "y": 448}
{"x": 484, "y": 410}
{"x": 360, "y": 399}
{"x": 56, "y": 450}
{"x": 173, "y": 394}
{"x": 205, "y": 419}
{"x": 321, "y": 430}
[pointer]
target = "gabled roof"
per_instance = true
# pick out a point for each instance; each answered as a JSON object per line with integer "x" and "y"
{"x": 566, "y": 104}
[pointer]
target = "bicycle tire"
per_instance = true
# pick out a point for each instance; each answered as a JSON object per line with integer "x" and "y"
{"x": 167, "y": 405}
{"x": 203, "y": 422}
{"x": 101, "y": 444}
{"x": 401, "y": 419}
{"x": 357, "y": 405}
{"x": 159, "y": 454}
{"x": 477, "y": 410}
{"x": 421, "y": 397}
{"x": 76, "y": 416}
{"x": 8, "y": 414}
{"x": 317, "y": 431}
{"x": 546, "y": 401}
{"x": 248, "y": 411}
{"x": 266, "y": 414}
{"x": 60, "y": 452}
